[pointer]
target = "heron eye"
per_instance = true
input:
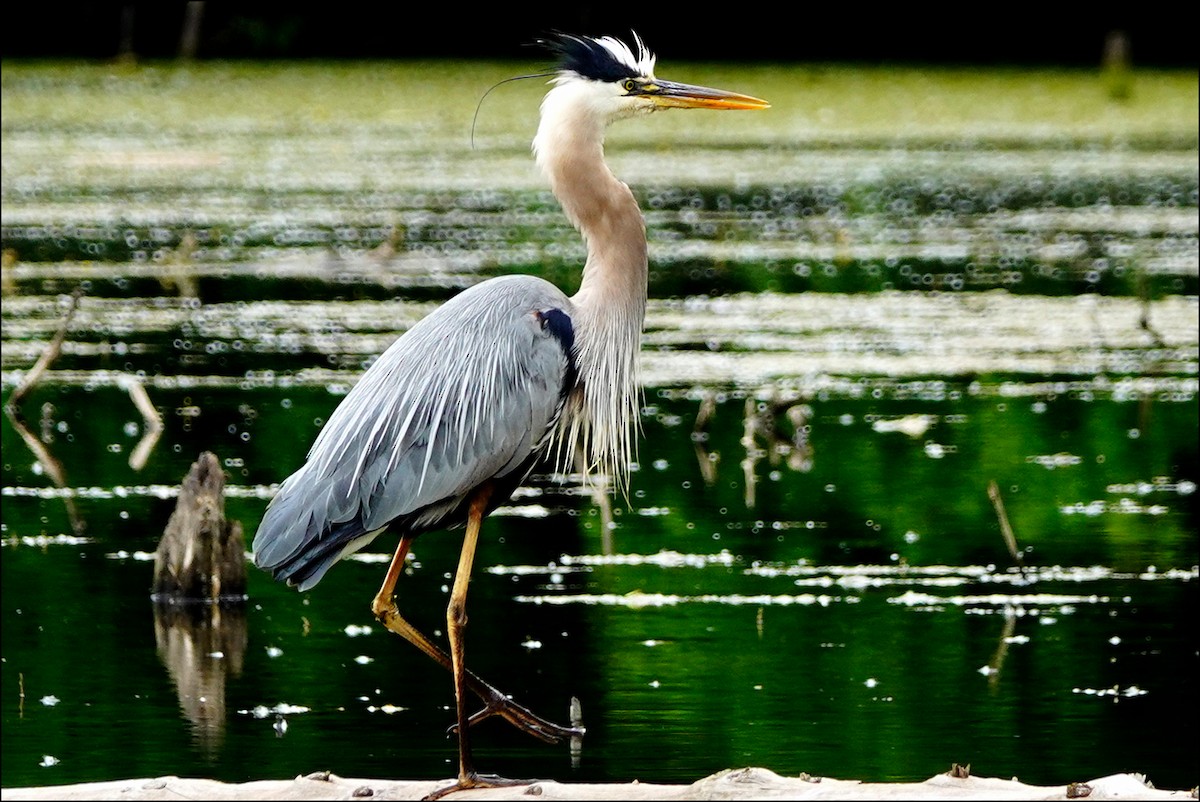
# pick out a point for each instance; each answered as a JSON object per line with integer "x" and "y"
{"x": 630, "y": 85}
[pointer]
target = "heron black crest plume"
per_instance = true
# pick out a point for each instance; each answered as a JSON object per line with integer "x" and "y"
{"x": 604, "y": 58}
{"x": 449, "y": 421}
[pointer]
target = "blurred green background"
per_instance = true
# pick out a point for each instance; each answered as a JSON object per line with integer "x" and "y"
{"x": 898, "y": 285}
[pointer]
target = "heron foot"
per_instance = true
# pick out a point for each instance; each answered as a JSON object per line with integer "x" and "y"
{"x": 472, "y": 780}
{"x": 495, "y": 703}
{"x": 523, "y": 719}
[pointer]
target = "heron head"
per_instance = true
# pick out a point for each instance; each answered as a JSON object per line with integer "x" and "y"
{"x": 619, "y": 80}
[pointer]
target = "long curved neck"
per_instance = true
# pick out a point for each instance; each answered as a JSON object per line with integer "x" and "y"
{"x": 570, "y": 150}
{"x": 610, "y": 305}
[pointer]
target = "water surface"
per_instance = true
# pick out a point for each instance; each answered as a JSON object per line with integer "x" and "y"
{"x": 867, "y": 306}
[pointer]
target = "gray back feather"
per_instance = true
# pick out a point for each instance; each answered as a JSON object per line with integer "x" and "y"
{"x": 464, "y": 396}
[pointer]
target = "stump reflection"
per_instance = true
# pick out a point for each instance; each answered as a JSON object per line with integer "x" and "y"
{"x": 202, "y": 645}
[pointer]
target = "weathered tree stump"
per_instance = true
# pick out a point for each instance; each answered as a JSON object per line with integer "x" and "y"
{"x": 201, "y": 556}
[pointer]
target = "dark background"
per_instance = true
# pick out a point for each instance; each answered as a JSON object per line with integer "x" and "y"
{"x": 968, "y": 33}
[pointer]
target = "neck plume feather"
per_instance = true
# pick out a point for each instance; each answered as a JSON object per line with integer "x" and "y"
{"x": 599, "y": 424}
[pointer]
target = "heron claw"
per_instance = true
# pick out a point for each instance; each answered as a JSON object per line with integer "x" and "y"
{"x": 473, "y": 780}
{"x": 523, "y": 719}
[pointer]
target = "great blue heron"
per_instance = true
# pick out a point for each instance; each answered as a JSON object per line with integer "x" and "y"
{"x": 447, "y": 423}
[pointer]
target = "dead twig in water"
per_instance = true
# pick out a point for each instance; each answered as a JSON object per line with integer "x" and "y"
{"x": 153, "y": 422}
{"x": 1006, "y": 531}
{"x": 1010, "y": 621}
{"x": 49, "y": 463}
{"x": 53, "y": 349}
{"x": 12, "y": 409}
{"x": 708, "y": 408}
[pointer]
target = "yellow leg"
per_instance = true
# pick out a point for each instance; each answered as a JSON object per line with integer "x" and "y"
{"x": 456, "y": 624}
{"x": 495, "y": 702}
{"x": 384, "y": 607}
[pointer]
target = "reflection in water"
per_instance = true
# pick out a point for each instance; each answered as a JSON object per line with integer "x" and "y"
{"x": 760, "y": 424}
{"x": 576, "y": 745}
{"x": 152, "y": 421}
{"x": 50, "y": 464}
{"x": 201, "y": 645}
{"x": 707, "y": 461}
{"x": 1017, "y": 295}
{"x": 199, "y": 600}
{"x": 1006, "y": 637}
{"x": 596, "y": 484}
{"x": 603, "y": 501}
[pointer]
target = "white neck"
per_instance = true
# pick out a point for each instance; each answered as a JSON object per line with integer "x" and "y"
{"x": 610, "y": 305}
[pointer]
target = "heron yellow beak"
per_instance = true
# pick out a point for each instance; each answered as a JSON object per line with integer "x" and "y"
{"x": 671, "y": 95}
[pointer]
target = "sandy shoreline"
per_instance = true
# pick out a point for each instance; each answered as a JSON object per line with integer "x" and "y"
{"x": 735, "y": 784}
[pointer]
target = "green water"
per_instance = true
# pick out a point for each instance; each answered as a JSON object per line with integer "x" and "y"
{"x": 867, "y": 304}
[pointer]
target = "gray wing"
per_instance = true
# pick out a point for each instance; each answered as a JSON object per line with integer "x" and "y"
{"x": 467, "y": 395}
